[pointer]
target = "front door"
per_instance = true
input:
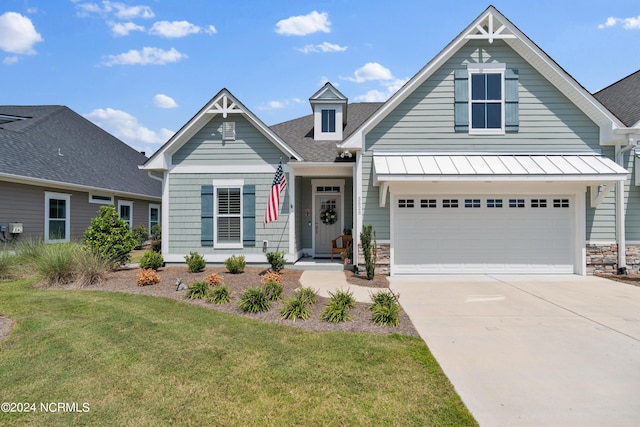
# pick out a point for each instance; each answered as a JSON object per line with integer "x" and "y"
{"x": 328, "y": 222}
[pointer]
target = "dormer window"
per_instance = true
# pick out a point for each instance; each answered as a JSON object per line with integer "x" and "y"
{"x": 328, "y": 121}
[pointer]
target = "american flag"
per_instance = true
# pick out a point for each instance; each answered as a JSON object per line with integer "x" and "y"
{"x": 278, "y": 186}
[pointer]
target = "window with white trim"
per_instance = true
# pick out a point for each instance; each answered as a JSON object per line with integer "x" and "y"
{"x": 405, "y": 203}
{"x": 450, "y": 203}
{"x": 125, "y": 210}
{"x": 328, "y": 121}
{"x": 154, "y": 216}
{"x": 516, "y": 203}
{"x": 100, "y": 199}
{"x": 487, "y": 101}
{"x": 228, "y": 217}
{"x": 471, "y": 203}
{"x": 428, "y": 203}
{"x": 57, "y": 217}
{"x": 560, "y": 203}
{"x": 494, "y": 203}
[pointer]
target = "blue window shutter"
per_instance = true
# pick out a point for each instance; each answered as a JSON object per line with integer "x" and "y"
{"x": 249, "y": 215}
{"x": 206, "y": 214}
{"x": 461, "y": 105}
{"x": 511, "y": 105}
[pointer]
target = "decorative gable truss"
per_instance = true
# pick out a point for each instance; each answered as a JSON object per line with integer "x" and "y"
{"x": 485, "y": 30}
{"x": 224, "y": 106}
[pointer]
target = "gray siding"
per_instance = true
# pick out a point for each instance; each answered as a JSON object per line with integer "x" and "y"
{"x": 207, "y": 147}
{"x": 425, "y": 121}
{"x": 25, "y": 203}
{"x": 185, "y": 211}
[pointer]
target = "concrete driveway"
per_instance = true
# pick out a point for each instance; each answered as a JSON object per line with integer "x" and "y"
{"x": 533, "y": 350}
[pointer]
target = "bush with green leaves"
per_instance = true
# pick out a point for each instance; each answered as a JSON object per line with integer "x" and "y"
{"x": 91, "y": 267}
{"x": 369, "y": 244}
{"x": 109, "y": 236}
{"x": 156, "y": 232}
{"x": 141, "y": 234}
{"x": 309, "y": 295}
{"x": 385, "y": 309}
{"x": 156, "y": 245}
{"x": 235, "y": 264}
{"x": 195, "y": 262}
{"x": 272, "y": 289}
{"x": 295, "y": 308}
{"x": 198, "y": 290}
{"x": 57, "y": 263}
{"x": 276, "y": 259}
{"x": 219, "y": 294}
{"x": 338, "y": 309}
{"x": 152, "y": 260}
{"x": 254, "y": 300}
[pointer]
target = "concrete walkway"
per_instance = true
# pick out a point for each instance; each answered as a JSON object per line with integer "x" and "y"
{"x": 533, "y": 350}
{"x": 330, "y": 281}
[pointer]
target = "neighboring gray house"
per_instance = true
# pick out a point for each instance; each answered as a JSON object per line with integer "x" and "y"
{"x": 491, "y": 159}
{"x": 57, "y": 169}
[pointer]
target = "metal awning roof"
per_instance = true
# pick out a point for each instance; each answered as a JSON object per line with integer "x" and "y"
{"x": 588, "y": 167}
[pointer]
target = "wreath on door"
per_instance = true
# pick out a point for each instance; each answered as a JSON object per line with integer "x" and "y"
{"x": 328, "y": 216}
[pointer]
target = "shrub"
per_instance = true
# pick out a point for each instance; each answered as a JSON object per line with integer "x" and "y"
{"x": 296, "y": 307}
{"x": 385, "y": 309}
{"x": 7, "y": 261}
{"x": 195, "y": 262}
{"x": 57, "y": 263}
{"x": 369, "y": 249}
{"x": 219, "y": 294}
{"x": 110, "y": 237}
{"x": 254, "y": 300}
{"x": 214, "y": 279}
{"x": 91, "y": 267}
{"x": 235, "y": 264}
{"x": 271, "y": 277}
{"x": 156, "y": 245}
{"x": 197, "y": 290}
{"x": 152, "y": 260}
{"x": 156, "y": 232}
{"x": 272, "y": 290}
{"x": 276, "y": 259}
{"x": 148, "y": 277}
{"x": 340, "y": 303}
{"x": 29, "y": 249}
{"x": 141, "y": 234}
{"x": 308, "y": 294}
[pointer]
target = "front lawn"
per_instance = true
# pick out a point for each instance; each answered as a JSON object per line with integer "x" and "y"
{"x": 141, "y": 360}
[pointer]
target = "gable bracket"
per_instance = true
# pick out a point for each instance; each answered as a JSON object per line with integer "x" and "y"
{"x": 486, "y": 31}
{"x": 599, "y": 192}
{"x": 224, "y": 106}
{"x": 383, "y": 194}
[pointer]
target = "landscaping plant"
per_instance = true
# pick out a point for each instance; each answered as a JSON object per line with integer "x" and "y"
{"x": 309, "y": 295}
{"x": 276, "y": 259}
{"x": 235, "y": 264}
{"x": 368, "y": 240}
{"x": 272, "y": 290}
{"x": 296, "y": 307}
{"x": 271, "y": 276}
{"x": 197, "y": 290}
{"x": 340, "y": 304}
{"x": 195, "y": 262}
{"x": 141, "y": 234}
{"x": 385, "y": 309}
{"x": 214, "y": 279}
{"x": 148, "y": 277}
{"x": 254, "y": 300}
{"x": 152, "y": 260}
{"x": 57, "y": 264}
{"x": 109, "y": 236}
{"x": 219, "y": 294}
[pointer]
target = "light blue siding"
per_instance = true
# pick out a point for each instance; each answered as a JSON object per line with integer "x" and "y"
{"x": 207, "y": 147}
{"x": 185, "y": 214}
{"x": 548, "y": 122}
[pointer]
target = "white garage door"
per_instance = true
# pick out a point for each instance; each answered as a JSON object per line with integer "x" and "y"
{"x": 483, "y": 234}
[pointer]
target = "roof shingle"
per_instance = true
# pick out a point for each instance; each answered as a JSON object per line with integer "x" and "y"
{"x": 622, "y": 98}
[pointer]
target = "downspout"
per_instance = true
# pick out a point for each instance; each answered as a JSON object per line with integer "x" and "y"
{"x": 620, "y": 225}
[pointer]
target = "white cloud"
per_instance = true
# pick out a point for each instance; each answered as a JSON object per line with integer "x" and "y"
{"x": 389, "y": 88}
{"x": 304, "y": 24}
{"x": 146, "y": 56}
{"x": 124, "y": 28}
{"x": 17, "y": 34}
{"x": 631, "y": 23}
{"x": 117, "y": 9}
{"x": 163, "y": 101}
{"x": 370, "y": 71}
{"x": 325, "y": 47}
{"x": 278, "y": 105}
{"x": 177, "y": 29}
{"x": 10, "y": 60}
{"x": 127, "y": 128}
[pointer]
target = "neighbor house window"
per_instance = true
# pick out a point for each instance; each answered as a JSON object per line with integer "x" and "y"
{"x": 154, "y": 216}
{"x": 328, "y": 120}
{"x": 125, "y": 210}
{"x": 101, "y": 199}
{"x": 228, "y": 217}
{"x": 56, "y": 217}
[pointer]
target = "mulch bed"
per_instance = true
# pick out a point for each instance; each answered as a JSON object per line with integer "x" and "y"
{"x": 124, "y": 280}
{"x": 630, "y": 279}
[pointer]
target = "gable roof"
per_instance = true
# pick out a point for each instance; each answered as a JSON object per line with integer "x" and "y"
{"x": 298, "y": 133}
{"x": 58, "y": 146}
{"x": 492, "y": 25}
{"x": 224, "y": 103}
{"x": 623, "y": 99}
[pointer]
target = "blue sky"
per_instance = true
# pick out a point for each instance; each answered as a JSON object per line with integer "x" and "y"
{"x": 142, "y": 68}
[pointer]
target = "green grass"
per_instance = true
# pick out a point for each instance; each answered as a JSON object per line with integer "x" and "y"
{"x": 140, "y": 360}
